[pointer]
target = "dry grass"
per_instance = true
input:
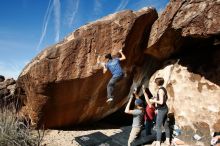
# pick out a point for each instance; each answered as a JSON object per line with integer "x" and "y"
{"x": 14, "y": 132}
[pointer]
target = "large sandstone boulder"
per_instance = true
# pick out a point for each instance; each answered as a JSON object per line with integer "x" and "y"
{"x": 183, "y": 19}
{"x": 63, "y": 86}
{"x": 193, "y": 99}
{"x": 186, "y": 37}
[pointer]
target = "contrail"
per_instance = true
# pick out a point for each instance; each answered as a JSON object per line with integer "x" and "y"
{"x": 122, "y": 5}
{"x": 56, "y": 4}
{"x": 45, "y": 23}
{"x": 73, "y": 6}
{"x": 97, "y": 7}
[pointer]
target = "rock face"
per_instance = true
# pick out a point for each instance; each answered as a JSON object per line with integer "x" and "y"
{"x": 186, "y": 37}
{"x": 183, "y": 19}
{"x": 193, "y": 99}
{"x": 63, "y": 86}
{"x": 7, "y": 90}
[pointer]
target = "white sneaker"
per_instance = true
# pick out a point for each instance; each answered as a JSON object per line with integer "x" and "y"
{"x": 109, "y": 100}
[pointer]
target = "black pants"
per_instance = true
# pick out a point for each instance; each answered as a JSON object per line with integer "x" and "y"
{"x": 148, "y": 127}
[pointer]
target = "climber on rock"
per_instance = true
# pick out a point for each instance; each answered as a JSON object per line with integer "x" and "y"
{"x": 113, "y": 65}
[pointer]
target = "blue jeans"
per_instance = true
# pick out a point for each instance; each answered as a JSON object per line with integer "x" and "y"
{"x": 111, "y": 85}
{"x": 162, "y": 121}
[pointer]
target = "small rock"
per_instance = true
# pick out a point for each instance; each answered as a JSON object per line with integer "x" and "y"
{"x": 11, "y": 88}
{"x": 9, "y": 82}
{"x": 2, "y": 78}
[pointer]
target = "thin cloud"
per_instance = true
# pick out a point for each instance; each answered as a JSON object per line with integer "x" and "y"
{"x": 56, "y": 4}
{"x": 72, "y": 10}
{"x": 45, "y": 23}
{"x": 97, "y": 7}
{"x": 122, "y": 5}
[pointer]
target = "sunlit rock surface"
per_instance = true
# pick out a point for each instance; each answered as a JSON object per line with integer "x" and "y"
{"x": 180, "y": 20}
{"x": 63, "y": 86}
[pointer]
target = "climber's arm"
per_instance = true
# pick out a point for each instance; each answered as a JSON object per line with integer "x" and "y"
{"x": 161, "y": 96}
{"x": 102, "y": 64}
{"x": 146, "y": 97}
{"x": 127, "y": 109}
{"x": 104, "y": 67}
{"x": 122, "y": 55}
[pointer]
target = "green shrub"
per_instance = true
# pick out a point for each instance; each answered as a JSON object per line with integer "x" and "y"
{"x": 14, "y": 132}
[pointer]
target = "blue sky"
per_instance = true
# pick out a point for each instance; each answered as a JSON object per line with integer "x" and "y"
{"x": 29, "y": 26}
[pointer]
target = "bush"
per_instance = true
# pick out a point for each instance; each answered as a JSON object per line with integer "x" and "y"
{"x": 14, "y": 132}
